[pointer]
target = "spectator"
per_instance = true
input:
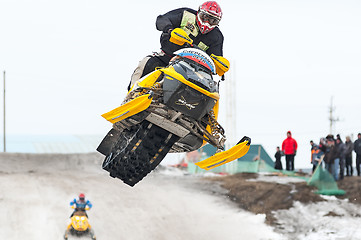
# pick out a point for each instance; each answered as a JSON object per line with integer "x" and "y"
{"x": 357, "y": 149}
{"x": 315, "y": 158}
{"x": 289, "y": 147}
{"x": 331, "y": 156}
{"x": 312, "y": 143}
{"x": 348, "y": 156}
{"x": 338, "y": 137}
{"x": 341, "y": 149}
{"x": 278, "y": 155}
{"x": 320, "y": 147}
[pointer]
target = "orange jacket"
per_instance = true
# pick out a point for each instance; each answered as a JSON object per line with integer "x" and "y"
{"x": 314, "y": 153}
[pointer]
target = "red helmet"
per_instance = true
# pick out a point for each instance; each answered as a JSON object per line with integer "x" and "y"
{"x": 208, "y": 16}
{"x": 81, "y": 196}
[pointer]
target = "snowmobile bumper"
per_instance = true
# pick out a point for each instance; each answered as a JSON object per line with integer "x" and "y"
{"x": 129, "y": 109}
{"x": 224, "y": 157}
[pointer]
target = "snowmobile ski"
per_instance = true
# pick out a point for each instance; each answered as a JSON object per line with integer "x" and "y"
{"x": 227, "y": 156}
{"x": 129, "y": 109}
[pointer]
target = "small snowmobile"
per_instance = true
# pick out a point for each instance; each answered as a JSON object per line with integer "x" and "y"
{"x": 171, "y": 110}
{"x": 79, "y": 225}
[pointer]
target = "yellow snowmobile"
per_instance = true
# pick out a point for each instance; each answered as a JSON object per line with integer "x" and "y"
{"x": 79, "y": 225}
{"x": 172, "y": 109}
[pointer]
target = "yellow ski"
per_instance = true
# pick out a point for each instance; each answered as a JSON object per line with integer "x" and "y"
{"x": 129, "y": 109}
{"x": 224, "y": 157}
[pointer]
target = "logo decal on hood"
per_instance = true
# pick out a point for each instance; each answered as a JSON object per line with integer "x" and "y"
{"x": 182, "y": 102}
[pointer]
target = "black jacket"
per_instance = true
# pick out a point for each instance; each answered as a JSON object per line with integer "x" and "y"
{"x": 341, "y": 149}
{"x": 331, "y": 154}
{"x": 357, "y": 146}
{"x": 348, "y": 150}
{"x": 170, "y": 20}
{"x": 278, "y": 156}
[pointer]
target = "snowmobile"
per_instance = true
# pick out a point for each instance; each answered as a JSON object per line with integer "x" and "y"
{"x": 79, "y": 225}
{"x": 170, "y": 110}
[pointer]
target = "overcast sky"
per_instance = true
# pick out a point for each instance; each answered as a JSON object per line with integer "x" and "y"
{"x": 67, "y": 62}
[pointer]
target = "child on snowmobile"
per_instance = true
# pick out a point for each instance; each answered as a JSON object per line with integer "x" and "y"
{"x": 81, "y": 204}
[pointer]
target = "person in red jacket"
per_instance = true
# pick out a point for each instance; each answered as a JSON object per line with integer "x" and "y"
{"x": 289, "y": 148}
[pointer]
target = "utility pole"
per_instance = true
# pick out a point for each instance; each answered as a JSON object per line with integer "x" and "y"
{"x": 332, "y": 119}
{"x": 4, "y": 117}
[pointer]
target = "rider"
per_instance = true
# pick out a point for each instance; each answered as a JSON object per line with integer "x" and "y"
{"x": 201, "y": 26}
{"x": 81, "y": 204}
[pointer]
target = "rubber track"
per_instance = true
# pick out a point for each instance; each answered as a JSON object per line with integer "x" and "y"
{"x": 138, "y": 151}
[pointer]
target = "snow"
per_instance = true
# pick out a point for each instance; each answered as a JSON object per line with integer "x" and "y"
{"x": 334, "y": 219}
{"x": 34, "y": 204}
{"x": 267, "y": 177}
{"x": 167, "y": 204}
{"x": 313, "y": 221}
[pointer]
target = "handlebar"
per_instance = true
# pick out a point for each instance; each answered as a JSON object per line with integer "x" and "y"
{"x": 180, "y": 37}
{"x": 85, "y": 209}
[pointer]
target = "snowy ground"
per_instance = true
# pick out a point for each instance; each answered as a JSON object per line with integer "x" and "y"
{"x": 333, "y": 220}
{"x": 34, "y": 204}
{"x": 35, "y": 192}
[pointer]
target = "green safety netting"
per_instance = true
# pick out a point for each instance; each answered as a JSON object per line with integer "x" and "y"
{"x": 324, "y": 182}
{"x": 321, "y": 178}
{"x": 240, "y": 166}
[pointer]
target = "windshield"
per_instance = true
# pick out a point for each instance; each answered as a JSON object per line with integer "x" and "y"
{"x": 196, "y": 74}
{"x": 199, "y": 71}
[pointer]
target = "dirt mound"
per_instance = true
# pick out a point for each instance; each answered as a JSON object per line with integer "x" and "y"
{"x": 265, "y": 197}
{"x": 352, "y": 186}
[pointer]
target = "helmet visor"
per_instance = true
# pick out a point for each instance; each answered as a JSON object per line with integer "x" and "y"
{"x": 208, "y": 18}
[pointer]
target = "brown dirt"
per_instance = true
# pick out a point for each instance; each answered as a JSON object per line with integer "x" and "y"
{"x": 352, "y": 186}
{"x": 265, "y": 197}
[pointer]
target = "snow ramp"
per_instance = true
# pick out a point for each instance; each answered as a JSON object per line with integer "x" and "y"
{"x": 35, "y": 191}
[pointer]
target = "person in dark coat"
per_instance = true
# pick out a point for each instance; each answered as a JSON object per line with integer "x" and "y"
{"x": 341, "y": 149}
{"x": 357, "y": 149}
{"x": 201, "y": 26}
{"x": 331, "y": 154}
{"x": 278, "y": 155}
{"x": 348, "y": 156}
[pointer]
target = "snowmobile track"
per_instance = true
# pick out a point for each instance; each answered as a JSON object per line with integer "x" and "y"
{"x": 138, "y": 151}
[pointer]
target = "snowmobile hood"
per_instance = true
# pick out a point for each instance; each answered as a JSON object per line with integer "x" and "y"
{"x": 197, "y": 56}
